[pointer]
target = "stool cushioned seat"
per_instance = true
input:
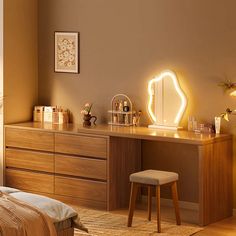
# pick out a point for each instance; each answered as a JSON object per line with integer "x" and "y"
{"x": 153, "y": 177}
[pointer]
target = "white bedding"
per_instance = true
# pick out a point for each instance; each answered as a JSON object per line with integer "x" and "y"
{"x": 56, "y": 210}
{"x": 8, "y": 190}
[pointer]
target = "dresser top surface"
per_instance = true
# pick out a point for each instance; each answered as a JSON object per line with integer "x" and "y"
{"x": 143, "y": 133}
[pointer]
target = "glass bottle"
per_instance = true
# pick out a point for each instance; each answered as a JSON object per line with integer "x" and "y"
{"x": 125, "y": 107}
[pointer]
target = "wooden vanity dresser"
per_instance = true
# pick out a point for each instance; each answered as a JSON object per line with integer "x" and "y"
{"x": 91, "y": 166}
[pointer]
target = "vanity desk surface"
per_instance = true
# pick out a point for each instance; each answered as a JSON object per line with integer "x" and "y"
{"x": 91, "y": 166}
{"x": 180, "y": 136}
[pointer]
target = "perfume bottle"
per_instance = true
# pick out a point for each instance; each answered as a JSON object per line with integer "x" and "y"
{"x": 120, "y": 106}
{"x": 117, "y": 106}
{"x": 115, "y": 118}
{"x": 125, "y": 107}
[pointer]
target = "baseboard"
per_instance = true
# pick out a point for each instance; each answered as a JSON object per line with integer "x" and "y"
{"x": 182, "y": 204}
{"x": 234, "y": 212}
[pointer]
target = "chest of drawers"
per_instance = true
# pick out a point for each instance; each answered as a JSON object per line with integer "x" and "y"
{"x": 71, "y": 166}
{"x": 60, "y": 164}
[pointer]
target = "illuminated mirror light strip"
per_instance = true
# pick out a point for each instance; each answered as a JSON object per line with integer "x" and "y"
{"x": 178, "y": 89}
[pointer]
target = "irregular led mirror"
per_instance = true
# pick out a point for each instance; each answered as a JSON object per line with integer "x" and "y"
{"x": 167, "y": 101}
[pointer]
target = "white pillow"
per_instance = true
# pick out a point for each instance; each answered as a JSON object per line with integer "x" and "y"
{"x": 8, "y": 190}
{"x": 58, "y": 211}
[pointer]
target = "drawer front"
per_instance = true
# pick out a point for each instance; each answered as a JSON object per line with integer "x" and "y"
{"x": 81, "y": 145}
{"x": 86, "y": 189}
{"x": 82, "y": 167}
{"x": 29, "y": 160}
{"x": 30, "y": 181}
{"x": 29, "y": 139}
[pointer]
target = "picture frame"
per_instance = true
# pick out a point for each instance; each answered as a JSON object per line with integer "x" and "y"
{"x": 66, "y": 59}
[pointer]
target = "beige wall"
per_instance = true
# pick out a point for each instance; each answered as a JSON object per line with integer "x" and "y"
{"x": 124, "y": 43}
{"x": 20, "y": 59}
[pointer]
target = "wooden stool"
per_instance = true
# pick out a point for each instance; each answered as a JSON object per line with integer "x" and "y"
{"x": 152, "y": 178}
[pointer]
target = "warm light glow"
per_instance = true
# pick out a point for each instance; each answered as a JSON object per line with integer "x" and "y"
{"x": 178, "y": 90}
{"x": 233, "y": 93}
{"x": 176, "y": 135}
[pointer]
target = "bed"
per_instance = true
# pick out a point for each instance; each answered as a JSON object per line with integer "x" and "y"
{"x": 64, "y": 218}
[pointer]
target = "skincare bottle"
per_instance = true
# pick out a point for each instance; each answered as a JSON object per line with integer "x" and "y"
{"x": 134, "y": 119}
{"x": 190, "y": 123}
{"x": 217, "y": 124}
{"x": 126, "y": 119}
{"x": 126, "y": 107}
{"x": 201, "y": 128}
{"x": 194, "y": 123}
{"x": 138, "y": 117}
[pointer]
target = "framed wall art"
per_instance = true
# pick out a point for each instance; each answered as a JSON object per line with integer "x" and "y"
{"x": 67, "y": 52}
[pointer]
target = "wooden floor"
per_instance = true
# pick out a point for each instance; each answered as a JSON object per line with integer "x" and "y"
{"x": 225, "y": 227}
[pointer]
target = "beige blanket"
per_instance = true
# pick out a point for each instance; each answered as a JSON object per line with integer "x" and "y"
{"x": 20, "y": 219}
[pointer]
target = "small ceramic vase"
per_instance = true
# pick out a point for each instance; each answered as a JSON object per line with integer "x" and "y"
{"x": 87, "y": 120}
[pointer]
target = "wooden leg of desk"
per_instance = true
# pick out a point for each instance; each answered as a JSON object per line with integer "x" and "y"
{"x": 133, "y": 195}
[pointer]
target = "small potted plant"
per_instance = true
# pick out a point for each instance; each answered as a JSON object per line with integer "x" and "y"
{"x": 87, "y": 115}
{"x": 225, "y": 115}
{"x": 229, "y": 87}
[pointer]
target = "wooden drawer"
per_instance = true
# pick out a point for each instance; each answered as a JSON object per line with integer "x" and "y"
{"x": 30, "y": 139}
{"x": 29, "y": 160}
{"x": 31, "y": 181}
{"x": 79, "y": 166}
{"x": 86, "y": 189}
{"x": 81, "y": 145}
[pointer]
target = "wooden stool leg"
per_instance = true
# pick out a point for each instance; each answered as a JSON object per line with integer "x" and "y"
{"x": 158, "y": 200}
{"x": 176, "y": 202}
{"x": 149, "y": 202}
{"x": 133, "y": 194}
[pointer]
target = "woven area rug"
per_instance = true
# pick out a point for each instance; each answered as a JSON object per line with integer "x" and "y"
{"x": 101, "y": 223}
